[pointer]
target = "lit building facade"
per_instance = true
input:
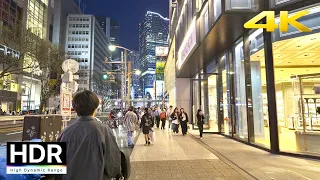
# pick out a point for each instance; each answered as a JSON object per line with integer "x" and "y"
{"x": 255, "y": 86}
{"x": 13, "y": 13}
{"x": 88, "y": 44}
{"x": 135, "y": 84}
{"x": 153, "y": 32}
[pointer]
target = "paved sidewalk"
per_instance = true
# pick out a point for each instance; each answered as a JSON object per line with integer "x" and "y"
{"x": 260, "y": 164}
{"x": 178, "y": 157}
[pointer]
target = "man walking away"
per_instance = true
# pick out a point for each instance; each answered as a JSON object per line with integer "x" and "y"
{"x": 131, "y": 122}
{"x": 92, "y": 150}
{"x": 158, "y": 112}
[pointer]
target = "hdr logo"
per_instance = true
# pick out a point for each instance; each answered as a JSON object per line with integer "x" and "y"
{"x": 285, "y": 20}
{"x": 36, "y": 158}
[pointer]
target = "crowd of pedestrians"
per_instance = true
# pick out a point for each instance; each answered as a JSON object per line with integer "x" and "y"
{"x": 146, "y": 119}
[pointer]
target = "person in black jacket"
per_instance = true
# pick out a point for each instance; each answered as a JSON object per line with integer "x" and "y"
{"x": 183, "y": 121}
{"x": 200, "y": 118}
{"x": 146, "y": 125}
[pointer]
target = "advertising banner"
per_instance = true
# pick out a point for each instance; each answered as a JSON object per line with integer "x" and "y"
{"x": 160, "y": 67}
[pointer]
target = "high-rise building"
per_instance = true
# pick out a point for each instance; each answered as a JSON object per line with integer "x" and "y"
{"x": 61, "y": 10}
{"x": 88, "y": 44}
{"x": 111, "y": 28}
{"x": 153, "y": 32}
{"x": 135, "y": 83}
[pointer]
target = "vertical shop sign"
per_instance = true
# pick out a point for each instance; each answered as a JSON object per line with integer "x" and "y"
{"x": 65, "y": 103}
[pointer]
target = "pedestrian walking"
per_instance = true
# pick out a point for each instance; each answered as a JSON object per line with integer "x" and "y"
{"x": 146, "y": 124}
{"x": 130, "y": 122}
{"x": 157, "y": 112}
{"x": 92, "y": 150}
{"x": 169, "y": 112}
{"x": 175, "y": 121}
{"x": 163, "y": 117}
{"x": 200, "y": 118}
{"x": 184, "y": 121}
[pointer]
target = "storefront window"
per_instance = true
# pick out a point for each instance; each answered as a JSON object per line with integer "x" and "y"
{"x": 241, "y": 130}
{"x": 238, "y": 4}
{"x": 297, "y": 78}
{"x": 212, "y": 103}
{"x": 195, "y": 99}
{"x": 259, "y": 89}
{"x": 225, "y": 100}
{"x": 217, "y": 9}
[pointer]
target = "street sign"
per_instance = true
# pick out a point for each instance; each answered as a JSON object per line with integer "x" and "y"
{"x": 65, "y": 103}
{"x": 70, "y": 65}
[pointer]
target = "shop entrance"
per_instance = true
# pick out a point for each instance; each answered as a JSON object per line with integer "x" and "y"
{"x": 204, "y": 97}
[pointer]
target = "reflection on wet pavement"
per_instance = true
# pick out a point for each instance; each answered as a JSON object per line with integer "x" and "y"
{"x": 121, "y": 137}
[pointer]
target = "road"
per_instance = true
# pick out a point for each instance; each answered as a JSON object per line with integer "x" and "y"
{"x": 12, "y": 132}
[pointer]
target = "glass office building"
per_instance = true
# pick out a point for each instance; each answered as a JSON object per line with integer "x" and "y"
{"x": 258, "y": 87}
{"x": 153, "y": 32}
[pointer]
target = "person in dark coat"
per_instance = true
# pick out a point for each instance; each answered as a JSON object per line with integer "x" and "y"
{"x": 200, "y": 118}
{"x": 183, "y": 121}
{"x": 146, "y": 125}
{"x": 92, "y": 149}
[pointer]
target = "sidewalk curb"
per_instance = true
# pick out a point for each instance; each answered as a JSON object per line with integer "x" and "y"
{"x": 240, "y": 170}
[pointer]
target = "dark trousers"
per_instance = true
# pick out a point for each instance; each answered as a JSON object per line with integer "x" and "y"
{"x": 163, "y": 123}
{"x": 158, "y": 121}
{"x": 200, "y": 129}
{"x": 175, "y": 128}
{"x": 184, "y": 127}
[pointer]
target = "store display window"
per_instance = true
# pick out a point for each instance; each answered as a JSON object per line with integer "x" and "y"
{"x": 259, "y": 89}
{"x": 297, "y": 78}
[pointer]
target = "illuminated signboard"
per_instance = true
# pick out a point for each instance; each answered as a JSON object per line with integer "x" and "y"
{"x": 188, "y": 44}
{"x": 162, "y": 51}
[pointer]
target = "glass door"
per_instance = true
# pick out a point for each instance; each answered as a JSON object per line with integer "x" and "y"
{"x": 205, "y": 97}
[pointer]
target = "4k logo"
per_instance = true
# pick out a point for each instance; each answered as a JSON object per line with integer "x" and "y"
{"x": 285, "y": 20}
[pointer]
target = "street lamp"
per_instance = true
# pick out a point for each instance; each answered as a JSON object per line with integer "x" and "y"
{"x": 123, "y": 62}
{"x": 112, "y": 48}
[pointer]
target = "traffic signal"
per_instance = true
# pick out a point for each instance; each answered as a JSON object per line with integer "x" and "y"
{"x": 105, "y": 76}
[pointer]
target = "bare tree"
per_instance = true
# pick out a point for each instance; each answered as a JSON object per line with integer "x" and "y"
{"x": 50, "y": 66}
{"x": 18, "y": 47}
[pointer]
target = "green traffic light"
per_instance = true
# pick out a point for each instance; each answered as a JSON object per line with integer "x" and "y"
{"x": 105, "y": 76}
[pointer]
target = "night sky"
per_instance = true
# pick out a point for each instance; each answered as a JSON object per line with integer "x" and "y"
{"x": 128, "y": 13}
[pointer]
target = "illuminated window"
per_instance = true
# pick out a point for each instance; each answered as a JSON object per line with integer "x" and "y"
{"x": 35, "y": 18}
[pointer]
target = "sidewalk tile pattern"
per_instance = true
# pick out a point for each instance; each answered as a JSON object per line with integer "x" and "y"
{"x": 177, "y": 157}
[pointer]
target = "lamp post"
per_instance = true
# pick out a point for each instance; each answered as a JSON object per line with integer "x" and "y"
{"x": 125, "y": 69}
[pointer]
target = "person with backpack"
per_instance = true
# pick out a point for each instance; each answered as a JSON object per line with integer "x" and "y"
{"x": 163, "y": 118}
{"x": 146, "y": 125}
